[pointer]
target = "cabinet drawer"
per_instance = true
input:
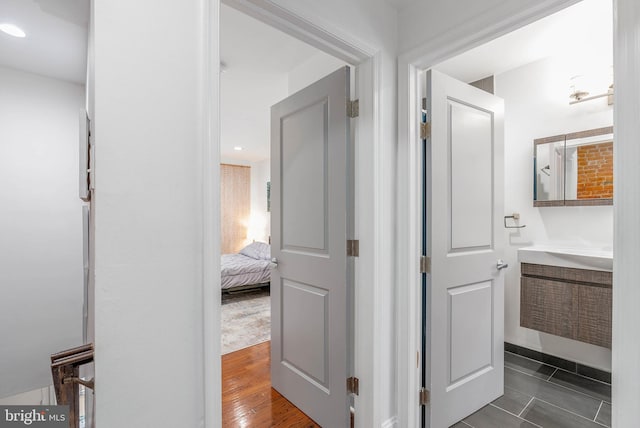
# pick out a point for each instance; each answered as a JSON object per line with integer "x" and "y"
{"x": 549, "y": 306}
{"x": 582, "y": 276}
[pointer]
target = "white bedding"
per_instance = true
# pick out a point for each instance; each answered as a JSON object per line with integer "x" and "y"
{"x": 239, "y": 269}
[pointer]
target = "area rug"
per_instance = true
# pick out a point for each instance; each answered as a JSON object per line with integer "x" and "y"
{"x": 246, "y": 320}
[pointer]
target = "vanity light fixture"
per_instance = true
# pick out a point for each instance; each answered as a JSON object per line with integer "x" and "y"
{"x": 238, "y": 148}
{"x": 579, "y": 95}
{"x": 12, "y": 30}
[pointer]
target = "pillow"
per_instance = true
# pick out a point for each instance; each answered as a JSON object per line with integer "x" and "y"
{"x": 257, "y": 250}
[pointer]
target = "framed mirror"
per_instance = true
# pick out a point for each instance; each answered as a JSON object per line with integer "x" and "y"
{"x": 574, "y": 169}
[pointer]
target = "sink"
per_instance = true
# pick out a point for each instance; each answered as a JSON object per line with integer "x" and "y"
{"x": 579, "y": 258}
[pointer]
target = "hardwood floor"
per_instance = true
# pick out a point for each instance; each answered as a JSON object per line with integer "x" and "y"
{"x": 247, "y": 397}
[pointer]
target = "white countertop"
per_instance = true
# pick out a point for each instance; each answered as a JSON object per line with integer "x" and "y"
{"x": 579, "y": 258}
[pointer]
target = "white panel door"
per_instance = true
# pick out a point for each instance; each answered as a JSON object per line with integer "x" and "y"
{"x": 309, "y": 185}
{"x": 465, "y": 239}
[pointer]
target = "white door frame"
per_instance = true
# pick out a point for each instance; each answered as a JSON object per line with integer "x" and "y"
{"x": 409, "y": 225}
{"x": 369, "y": 136}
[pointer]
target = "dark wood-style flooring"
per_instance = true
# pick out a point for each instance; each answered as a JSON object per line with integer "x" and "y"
{"x": 247, "y": 397}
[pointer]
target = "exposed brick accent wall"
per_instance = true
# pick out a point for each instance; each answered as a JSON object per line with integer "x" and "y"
{"x": 595, "y": 171}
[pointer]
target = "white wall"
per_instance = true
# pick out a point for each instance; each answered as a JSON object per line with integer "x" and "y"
{"x": 246, "y": 98}
{"x": 536, "y": 106}
{"x": 315, "y": 68}
{"x": 37, "y": 397}
{"x": 260, "y": 221}
{"x": 155, "y": 205}
{"x": 40, "y": 227}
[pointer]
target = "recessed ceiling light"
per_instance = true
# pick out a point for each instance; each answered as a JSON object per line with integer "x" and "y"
{"x": 12, "y": 30}
{"x": 237, "y": 148}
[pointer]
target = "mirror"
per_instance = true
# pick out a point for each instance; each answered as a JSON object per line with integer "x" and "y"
{"x": 574, "y": 169}
{"x": 549, "y": 171}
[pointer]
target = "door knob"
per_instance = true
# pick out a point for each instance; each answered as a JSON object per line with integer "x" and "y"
{"x": 501, "y": 264}
{"x": 274, "y": 262}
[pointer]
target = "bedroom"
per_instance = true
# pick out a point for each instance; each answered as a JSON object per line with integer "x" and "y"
{"x": 254, "y": 76}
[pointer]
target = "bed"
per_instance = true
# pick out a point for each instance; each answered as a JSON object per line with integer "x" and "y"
{"x": 250, "y": 268}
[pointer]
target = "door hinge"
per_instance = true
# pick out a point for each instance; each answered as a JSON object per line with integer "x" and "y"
{"x": 353, "y": 108}
{"x": 353, "y": 385}
{"x": 425, "y": 130}
{"x": 424, "y": 396}
{"x": 425, "y": 264}
{"x": 353, "y": 247}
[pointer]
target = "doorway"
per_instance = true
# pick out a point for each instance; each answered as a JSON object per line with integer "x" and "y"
{"x": 262, "y": 65}
{"x": 533, "y": 92}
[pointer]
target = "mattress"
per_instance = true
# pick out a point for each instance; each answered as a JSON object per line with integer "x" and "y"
{"x": 238, "y": 270}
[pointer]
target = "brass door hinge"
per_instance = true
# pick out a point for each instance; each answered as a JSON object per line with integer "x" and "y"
{"x": 425, "y": 264}
{"x": 353, "y": 108}
{"x": 425, "y": 130}
{"x": 353, "y": 247}
{"x": 424, "y": 396}
{"x": 353, "y": 386}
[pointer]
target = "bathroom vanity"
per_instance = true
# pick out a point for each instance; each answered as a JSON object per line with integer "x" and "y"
{"x": 567, "y": 292}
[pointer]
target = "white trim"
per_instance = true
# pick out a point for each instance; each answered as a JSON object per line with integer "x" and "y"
{"x": 626, "y": 208}
{"x": 305, "y": 28}
{"x": 369, "y": 155}
{"x": 209, "y": 81}
{"x": 408, "y": 252}
{"x": 370, "y": 304}
{"x": 449, "y": 44}
{"x": 363, "y": 346}
{"x": 478, "y": 31}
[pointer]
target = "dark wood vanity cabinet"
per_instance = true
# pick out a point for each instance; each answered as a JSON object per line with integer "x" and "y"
{"x": 567, "y": 302}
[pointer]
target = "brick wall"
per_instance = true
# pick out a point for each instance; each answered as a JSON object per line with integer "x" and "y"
{"x": 595, "y": 171}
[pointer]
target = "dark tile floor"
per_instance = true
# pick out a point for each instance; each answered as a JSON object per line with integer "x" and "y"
{"x": 540, "y": 395}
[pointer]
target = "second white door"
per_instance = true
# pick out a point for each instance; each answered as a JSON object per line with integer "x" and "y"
{"x": 465, "y": 239}
{"x": 310, "y": 138}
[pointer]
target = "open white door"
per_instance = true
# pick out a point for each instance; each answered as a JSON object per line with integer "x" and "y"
{"x": 309, "y": 212}
{"x": 464, "y": 238}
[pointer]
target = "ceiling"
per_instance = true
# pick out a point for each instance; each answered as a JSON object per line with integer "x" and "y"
{"x": 581, "y": 35}
{"x": 56, "y": 41}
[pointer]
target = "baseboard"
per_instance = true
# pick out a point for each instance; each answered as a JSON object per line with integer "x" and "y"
{"x": 570, "y": 366}
{"x": 390, "y": 423}
{"x": 37, "y": 397}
